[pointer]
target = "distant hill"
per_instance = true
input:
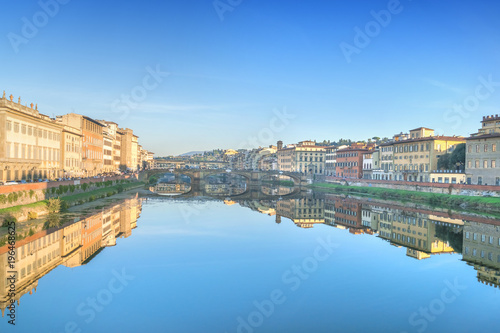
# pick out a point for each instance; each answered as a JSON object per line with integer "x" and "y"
{"x": 191, "y": 153}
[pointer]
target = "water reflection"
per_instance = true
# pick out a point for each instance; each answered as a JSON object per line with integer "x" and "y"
{"x": 277, "y": 190}
{"x": 171, "y": 185}
{"x": 163, "y": 188}
{"x": 40, "y": 249}
{"x": 422, "y": 231}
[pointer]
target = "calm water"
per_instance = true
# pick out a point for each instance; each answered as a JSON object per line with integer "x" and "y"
{"x": 315, "y": 263}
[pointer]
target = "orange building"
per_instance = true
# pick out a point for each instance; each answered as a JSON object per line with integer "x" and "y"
{"x": 91, "y": 236}
{"x": 349, "y": 163}
{"x": 92, "y": 149}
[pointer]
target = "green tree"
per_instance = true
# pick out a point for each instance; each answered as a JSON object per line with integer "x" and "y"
{"x": 122, "y": 167}
{"x": 444, "y": 162}
{"x": 54, "y": 205}
{"x": 457, "y": 158}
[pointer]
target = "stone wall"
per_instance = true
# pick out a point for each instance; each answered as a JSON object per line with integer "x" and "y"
{"x": 41, "y": 191}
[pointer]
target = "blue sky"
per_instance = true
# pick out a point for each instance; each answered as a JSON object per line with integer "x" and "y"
{"x": 425, "y": 66}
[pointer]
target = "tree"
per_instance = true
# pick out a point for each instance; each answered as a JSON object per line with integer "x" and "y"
{"x": 122, "y": 167}
{"x": 457, "y": 158}
{"x": 444, "y": 162}
{"x": 453, "y": 161}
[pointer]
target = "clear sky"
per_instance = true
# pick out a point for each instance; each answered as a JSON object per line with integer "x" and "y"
{"x": 329, "y": 64}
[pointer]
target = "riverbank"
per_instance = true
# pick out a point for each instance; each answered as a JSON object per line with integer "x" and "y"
{"x": 490, "y": 204}
{"x": 78, "y": 199}
{"x": 35, "y": 210}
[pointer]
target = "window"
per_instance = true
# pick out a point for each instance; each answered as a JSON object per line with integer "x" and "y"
{"x": 485, "y": 164}
{"x": 493, "y": 163}
{"x": 16, "y": 127}
{"x": 485, "y": 148}
{"x": 477, "y": 148}
{"x": 494, "y": 147}
{"x": 469, "y": 149}
{"x": 477, "y": 164}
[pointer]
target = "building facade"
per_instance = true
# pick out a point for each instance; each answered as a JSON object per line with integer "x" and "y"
{"x": 92, "y": 148}
{"x": 30, "y": 143}
{"x": 305, "y": 157}
{"x": 129, "y": 149}
{"x": 416, "y": 157}
{"x": 72, "y": 151}
{"x": 386, "y": 161}
{"x": 349, "y": 163}
{"x": 481, "y": 155}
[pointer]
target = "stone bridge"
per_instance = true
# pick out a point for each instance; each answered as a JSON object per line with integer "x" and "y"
{"x": 251, "y": 176}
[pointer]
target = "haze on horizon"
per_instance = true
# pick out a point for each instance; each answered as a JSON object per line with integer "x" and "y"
{"x": 221, "y": 77}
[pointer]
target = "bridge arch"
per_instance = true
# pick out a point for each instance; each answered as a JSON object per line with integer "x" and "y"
{"x": 200, "y": 174}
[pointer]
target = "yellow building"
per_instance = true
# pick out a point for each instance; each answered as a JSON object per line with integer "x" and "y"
{"x": 417, "y": 156}
{"x": 305, "y": 158}
{"x": 129, "y": 149}
{"x": 30, "y": 144}
{"x": 447, "y": 177}
{"x": 71, "y": 151}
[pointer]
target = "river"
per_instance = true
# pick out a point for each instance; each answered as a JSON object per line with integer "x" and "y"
{"x": 309, "y": 262}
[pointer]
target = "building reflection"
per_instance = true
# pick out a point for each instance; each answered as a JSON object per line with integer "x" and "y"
{"x": 72, "y": 244}
{"x": 170, "y": 188}
{"x": 304, "y": 212}
{"x": 423, "y": 233}
{"x": 481, "y": 249}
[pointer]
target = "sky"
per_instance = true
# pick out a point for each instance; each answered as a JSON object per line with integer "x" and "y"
{"x": 200, "y": 75}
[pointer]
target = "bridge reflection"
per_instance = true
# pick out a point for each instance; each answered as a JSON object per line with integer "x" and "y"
{"x": 227, "y": 185}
